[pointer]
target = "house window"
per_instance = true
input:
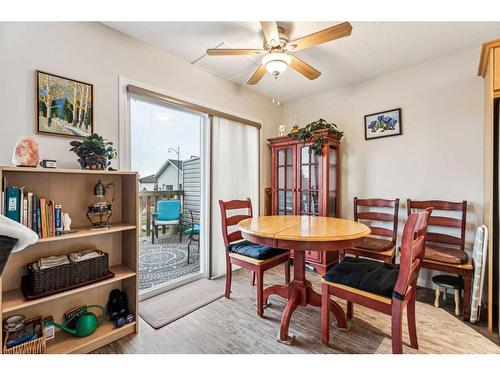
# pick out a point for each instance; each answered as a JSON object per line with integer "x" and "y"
{"x": 169, "y": 187}
{"x": 180, "y": 186}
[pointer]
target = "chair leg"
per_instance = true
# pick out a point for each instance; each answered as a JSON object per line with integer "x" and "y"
{"x": 189, "y": 245}
{"x": 350, "y": 310}
{"x": 457, "y": 302}
{"x": 180, "y": 233}
{"x": 287, "y": 272}
{"x": 260, "y": 292}
{"x": 436, "y": 300}
{"x": 252, "y": 278}
{"x": 227, "y": 291}
{"x": 325, "y": 314}
{"x": 467, "y": 288}
{"x": 412, "y": 326}
{"x": 153, "y": 236}
{"x": 396, "y": 327}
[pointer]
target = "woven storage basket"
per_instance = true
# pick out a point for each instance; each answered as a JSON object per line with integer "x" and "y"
{"x": 61, "y": 277}
{"x": 30, "y": 347}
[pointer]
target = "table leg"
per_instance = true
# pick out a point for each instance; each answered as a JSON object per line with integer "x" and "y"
{"x": 300, "y": 293}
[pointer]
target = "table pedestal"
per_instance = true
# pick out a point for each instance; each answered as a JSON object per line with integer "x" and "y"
{"x": 299, "y": 292}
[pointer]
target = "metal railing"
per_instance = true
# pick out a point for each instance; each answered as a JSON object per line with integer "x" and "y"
{"x": 148, "y": 201}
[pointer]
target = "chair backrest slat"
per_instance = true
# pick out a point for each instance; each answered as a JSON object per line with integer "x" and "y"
{"x": 384, "y": 232}
{"x": 233, "y": 220}
{"x": 412, "y": 250}
{"x": 230, "y": 221}
{"x": 444, "y": 239}
{"x": 438, "y": 220}
{"x": 168, "y": 209}
{"x": 378, "y": 216}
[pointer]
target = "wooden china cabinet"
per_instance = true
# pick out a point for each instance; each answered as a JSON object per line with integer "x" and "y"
{"x": 304, "y": 183}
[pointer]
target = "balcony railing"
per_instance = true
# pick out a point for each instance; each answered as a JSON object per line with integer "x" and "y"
{"x": 148, "y": 204}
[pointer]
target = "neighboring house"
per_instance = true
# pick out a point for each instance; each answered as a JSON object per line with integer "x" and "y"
{"x": 169, "y": 177}
{"x": 192, "y": 186}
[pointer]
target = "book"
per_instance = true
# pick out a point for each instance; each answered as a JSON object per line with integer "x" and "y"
{"x": 30, "y": 210}
{"x": 43, "y": 214}
{"x": 50, "y": 219}
{"x": 58, "y": 219}
{"x": 24, "y": 220}
{"x": 38, "y": 217}
{"x": 12, "y": 203}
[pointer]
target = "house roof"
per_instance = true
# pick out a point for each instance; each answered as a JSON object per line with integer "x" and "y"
{"x": 176, "y": 163}
{"x": 154, "y": 177}
{"x": 148, "y": 179}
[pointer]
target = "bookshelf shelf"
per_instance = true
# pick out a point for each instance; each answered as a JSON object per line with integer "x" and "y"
{"x": 64, "y": 343}
{"x": 14, "y": 299}
{"x": 72, "y": 189}
{"x": 86, "y": 231}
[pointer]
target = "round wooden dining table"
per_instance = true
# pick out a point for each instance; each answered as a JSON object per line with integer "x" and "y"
{"x": 301, "y": 234}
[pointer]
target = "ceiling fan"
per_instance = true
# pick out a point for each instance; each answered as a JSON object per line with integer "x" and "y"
{"x": 277, "y": 48}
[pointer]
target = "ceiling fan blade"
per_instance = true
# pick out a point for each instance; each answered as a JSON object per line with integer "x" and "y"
{"x": 256, "y": 77}
{"x": 270, "y": 30}
{"x": 304, "y": 69}
{"x": 228, "y": 52}
{"x": 335, "y": 32}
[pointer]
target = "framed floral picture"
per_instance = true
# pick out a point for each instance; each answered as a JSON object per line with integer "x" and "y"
{"x": 64, "y": 106}
{"x": 383, "y": 124}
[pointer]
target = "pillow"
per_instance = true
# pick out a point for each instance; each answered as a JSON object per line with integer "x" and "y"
{"x": 6, "y": 246}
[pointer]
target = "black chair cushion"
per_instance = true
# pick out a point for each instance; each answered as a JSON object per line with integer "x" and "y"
{"x": 6, "y": 246}
{"x": 365, "y": 274}
{"x": 255, "y": 251}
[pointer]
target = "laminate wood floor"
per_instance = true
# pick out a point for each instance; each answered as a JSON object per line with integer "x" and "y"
{"x": 232, "y": 326}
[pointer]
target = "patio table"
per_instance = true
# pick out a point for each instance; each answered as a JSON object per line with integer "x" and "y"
{"x": 301, "y": 234}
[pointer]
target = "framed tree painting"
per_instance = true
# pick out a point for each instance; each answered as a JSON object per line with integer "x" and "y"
{"x": 383, "y": 124}
{"x": 64, "y": 106}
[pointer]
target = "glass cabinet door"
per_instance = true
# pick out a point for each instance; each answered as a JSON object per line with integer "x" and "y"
{"x": 332, "y": 182}
{"x": 285, "y": 176}
{"x": 309, "y": 173}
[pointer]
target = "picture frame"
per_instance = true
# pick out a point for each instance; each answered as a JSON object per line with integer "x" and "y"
{"x": 383, "y": 124}
{"x": 64, "y": 106}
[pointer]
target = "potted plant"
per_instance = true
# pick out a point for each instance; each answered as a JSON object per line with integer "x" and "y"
{"x": 312, "y": 133}
{"x": 94, "y": 152}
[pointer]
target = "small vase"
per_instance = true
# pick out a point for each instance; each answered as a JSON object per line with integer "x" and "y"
{"x": 94, "y": 162}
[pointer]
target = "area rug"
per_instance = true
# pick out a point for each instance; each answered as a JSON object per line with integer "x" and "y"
{"x": 166, "y": 260}
{"x": 174, "y": 304}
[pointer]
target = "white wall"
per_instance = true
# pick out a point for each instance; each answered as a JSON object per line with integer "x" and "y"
{"x": 440, "y": 152}
{"x": 94, "y": 53}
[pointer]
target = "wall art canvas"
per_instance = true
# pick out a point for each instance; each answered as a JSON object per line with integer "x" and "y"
{"x": 64, "y": 106}
{"x": 383, "y": 124}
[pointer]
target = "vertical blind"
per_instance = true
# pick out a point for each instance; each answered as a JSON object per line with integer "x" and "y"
{"x": 235, "y": 175}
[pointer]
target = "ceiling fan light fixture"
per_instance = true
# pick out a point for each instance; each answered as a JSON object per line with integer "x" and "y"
{"x": 276, "y": 63}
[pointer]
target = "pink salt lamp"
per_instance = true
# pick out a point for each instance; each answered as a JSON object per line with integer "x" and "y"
{"x": 25, "y": 153}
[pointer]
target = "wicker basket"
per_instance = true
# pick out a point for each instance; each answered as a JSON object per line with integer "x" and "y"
{"x": 41, "y": 282}
{"x": 30, "y": 347}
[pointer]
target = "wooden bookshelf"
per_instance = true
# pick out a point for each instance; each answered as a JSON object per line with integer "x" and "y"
{"x": 73, "y": 189}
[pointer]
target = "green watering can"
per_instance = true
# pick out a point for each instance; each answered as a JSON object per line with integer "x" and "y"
{"x": 86, "y": 324}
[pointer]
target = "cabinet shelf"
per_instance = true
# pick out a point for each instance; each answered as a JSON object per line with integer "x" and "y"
{"x": 14, "y": 299}
{"x": 87, "y": 231}
{"x": 65, "y": 343}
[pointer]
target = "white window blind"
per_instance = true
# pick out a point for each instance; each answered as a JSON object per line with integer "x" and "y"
{"x": 235, "y": 175}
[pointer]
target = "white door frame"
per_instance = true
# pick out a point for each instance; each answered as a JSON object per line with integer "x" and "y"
{"x": 124, "y": 145}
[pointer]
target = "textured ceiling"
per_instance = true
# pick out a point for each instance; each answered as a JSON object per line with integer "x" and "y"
{"x": 373, "y": 49}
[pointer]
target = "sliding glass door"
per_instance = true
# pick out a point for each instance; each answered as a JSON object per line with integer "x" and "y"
{"x": 167, "y": 150}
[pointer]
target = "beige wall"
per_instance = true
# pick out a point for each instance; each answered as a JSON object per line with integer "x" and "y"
{"x": 440, "y": 152}
{"x": 94, "y": 53}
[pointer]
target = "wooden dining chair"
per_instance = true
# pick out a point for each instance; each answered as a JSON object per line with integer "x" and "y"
{"x": 387, "y": 288}
{"x": 381, "y": 245}
{"x": 445, "y": 247}
{"x": 243, "y": 253}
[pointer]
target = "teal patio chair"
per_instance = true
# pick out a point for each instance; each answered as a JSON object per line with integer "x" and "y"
{"x": 168, "y": 213}
{"x": 192, "y": 230}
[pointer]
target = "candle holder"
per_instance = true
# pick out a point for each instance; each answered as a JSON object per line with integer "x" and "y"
{"x": 100, "y": 212}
